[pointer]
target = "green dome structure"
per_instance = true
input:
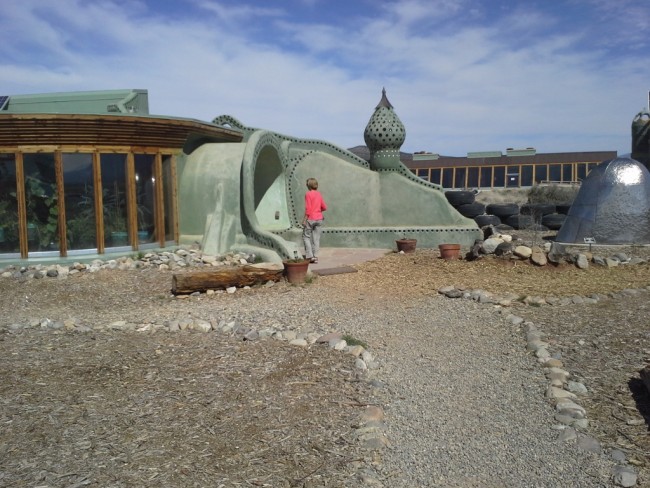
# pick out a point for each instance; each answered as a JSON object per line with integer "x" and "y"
{"x": 384, "y": 136}
{"x": 250, "y": 195}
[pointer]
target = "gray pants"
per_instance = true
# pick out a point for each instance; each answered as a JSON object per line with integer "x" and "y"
{"x": 311, "y": 237}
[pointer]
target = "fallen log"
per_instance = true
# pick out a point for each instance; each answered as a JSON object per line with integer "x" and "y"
{"x": 222, "y": 278}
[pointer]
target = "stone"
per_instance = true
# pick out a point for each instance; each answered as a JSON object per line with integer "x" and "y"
{"x": 581, "y": 424}
{"x": 514, "y": 319}
{"x": 555, "y": 393}
{"x": 326, "y": 338}
{"x": 534, "y": 301}
{"x": 252, "y": 335}
{"x": 577, "y": 388}
{"x": 556, "y": 253}
{"x": 568, "y": 435}
{"x": 588, "y": 443}
{"x": 503, "y": 249}
{"x": 564, "y": 419}
{"x": 599, "y": 261}
{"x": 490, "y": 244}
{"x": 582, "y": 262}
{"x": 611, "y": 263}
{"x": 538, "y": 258}
{"x": 624, "y": 476}
{"x": 355, "y": 350}
{"x": 202, "y": 326}
{"x": 360, "y": 364}
{"x": 567, "y": 407}
{"x": 552, "y": 363}
{"x": 523, "y": 252}
{"x": 298, "y": 342}
{"x": 617, "y": 455}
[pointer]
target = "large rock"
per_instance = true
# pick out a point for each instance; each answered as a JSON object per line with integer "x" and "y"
{"x": 490, "y": 245}
{"x": 538, "y": 257}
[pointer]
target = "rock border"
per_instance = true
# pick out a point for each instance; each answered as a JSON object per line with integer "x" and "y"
{"x": 563, "y": 393}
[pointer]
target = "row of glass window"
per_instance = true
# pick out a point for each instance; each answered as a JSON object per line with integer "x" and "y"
{"x": 505, "y": 176}
{"x": 47, "y": 195}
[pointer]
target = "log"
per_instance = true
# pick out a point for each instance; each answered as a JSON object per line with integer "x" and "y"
{"x": 221, "y": 278}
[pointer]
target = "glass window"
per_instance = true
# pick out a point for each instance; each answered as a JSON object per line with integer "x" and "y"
{"x": 168, "y": 196}
{"x": 145, "y": 196}
{"x": 486, "y": 177}
{"x": 448, "y": 177}
{"x": 9, "y": 237}
{"x": 581, "y": 169}
{"x": 78, "y": 181}
{"x": 499, "y": 176}
{"x": 512, "y": 176}
{"x": 436, "y": 174}
{"x": 113, "y": 170}
{"x": 541, "y": 173}
{"x": 423, "y": 173}
{"x": 472, "y": 177}
{"x": 41, "y": 201}
{"x": 567, "y": 172}
{"x": 459, "y": 182}
{"x": 526, "y": 175}
{"x": 555, "y": 172}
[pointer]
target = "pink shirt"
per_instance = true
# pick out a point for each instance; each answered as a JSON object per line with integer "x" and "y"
{"x": 314, "y": 205}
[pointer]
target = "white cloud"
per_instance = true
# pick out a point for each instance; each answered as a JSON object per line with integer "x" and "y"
{"x": 459, "y": 81}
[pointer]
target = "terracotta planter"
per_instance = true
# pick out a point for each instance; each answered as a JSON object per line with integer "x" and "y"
{"x": 406, "y": 245}
{"x": 296, "y": 272}
{"x": 449, "y": 251}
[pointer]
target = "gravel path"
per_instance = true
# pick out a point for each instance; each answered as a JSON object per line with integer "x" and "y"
{"x": 464, "y": 402}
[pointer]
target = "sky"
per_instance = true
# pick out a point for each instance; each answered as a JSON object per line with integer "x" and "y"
{"x": 462, "y": 75}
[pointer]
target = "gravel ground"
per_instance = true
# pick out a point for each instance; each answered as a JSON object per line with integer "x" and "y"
{"x": 464, "y": 402}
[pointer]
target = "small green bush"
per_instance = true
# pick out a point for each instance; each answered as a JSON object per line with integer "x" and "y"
{"x": 354, "y": 342}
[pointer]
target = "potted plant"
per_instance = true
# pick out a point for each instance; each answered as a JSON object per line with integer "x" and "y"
{"x": 449, "y": 251}
{"x": 406, "y": 245}
{"x": 295, "y": 269}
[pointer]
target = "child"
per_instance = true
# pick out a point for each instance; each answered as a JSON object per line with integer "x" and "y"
{"x": 313, "y": 220}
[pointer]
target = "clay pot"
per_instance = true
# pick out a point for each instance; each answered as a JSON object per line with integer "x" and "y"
{"x": 406, "y": 245}
{"x": 449, "y": 251}
{"x": 296, "y": 271}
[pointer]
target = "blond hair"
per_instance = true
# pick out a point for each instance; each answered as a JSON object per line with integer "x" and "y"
{"x": 312, "y": 183}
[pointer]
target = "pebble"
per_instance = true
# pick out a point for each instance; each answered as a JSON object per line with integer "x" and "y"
{"x": 445, "y": 453}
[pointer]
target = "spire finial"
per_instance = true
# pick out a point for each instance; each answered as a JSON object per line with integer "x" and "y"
{"x": 384, "y": 100}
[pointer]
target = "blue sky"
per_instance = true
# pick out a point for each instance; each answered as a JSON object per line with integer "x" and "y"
{"x": 463, "y": 75}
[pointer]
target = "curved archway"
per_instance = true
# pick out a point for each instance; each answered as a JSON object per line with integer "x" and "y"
{"x": 269, "y": 191}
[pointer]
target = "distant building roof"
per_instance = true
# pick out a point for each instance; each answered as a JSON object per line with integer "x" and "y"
{"x": 134, "y": 101}
{"x": 492, "y": 158}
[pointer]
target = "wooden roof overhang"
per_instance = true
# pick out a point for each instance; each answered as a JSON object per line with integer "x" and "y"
{"x": 102, "y": 130}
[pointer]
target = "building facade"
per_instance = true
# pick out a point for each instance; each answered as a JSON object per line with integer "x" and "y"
{"x": 514, "y": 169}
{"x": 90, "y": 172}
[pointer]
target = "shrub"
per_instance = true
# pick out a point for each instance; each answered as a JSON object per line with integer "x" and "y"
{"x": 555, "y": 193}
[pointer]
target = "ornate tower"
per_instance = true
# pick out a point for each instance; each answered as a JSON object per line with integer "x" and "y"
{"x": 384, "y": 136}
